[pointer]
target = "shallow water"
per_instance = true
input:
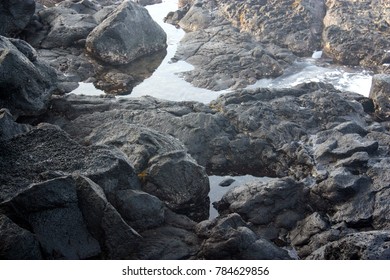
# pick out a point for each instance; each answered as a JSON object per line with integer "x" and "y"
{"x": 316, "y": 70}
{"x": 166, "y": 82}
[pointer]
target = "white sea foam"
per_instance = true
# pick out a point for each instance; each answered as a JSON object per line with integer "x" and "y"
{"x": 304, "y": 71}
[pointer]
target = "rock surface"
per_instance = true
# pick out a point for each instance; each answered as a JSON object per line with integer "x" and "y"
{"x": 27, "y": 92}
{"x": 125, "y": 35}
{"x": 380, "y": 93}
{"x": 15, "y": 15}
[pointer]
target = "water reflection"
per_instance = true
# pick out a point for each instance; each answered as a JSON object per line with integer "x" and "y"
{"x": 120, "y": 80}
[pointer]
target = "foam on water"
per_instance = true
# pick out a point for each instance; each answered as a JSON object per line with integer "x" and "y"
{"x": 306, "y": 70}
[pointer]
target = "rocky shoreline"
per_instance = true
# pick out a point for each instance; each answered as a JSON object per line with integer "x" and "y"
{"x": 103, "y": 178}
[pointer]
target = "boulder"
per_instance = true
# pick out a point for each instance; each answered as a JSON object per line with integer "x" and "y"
{"x": 380, "y": 93}
{"x": 272, "y": 206}
{"x": 17, "y": 243}
{"x": 51, "y": 210}
{"x": 26, "y": 83}
{"x": 15, "y": 15}
{"x": 116, "y": 238}
{"x": 47, "y": 150}
{"x": 8, "y": 127}
{"x": 66, "y": 27}
{"x": 370, "y": 245}
{"x": 168, "y": 243}
{"x": 161, "y": 162}
{"x": 125, "y": 35}
{"x": 229, "y": 237}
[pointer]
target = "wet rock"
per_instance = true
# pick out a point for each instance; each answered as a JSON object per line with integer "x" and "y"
{"x": 227, "y": 182}
{"x": 26, "y": 83}
{"x": 229, "y": 237}
{"x": 379, "y": 93}
{"x": 15, "y": 15}
{"x": 8, "y": 127}
{"x": 147, "y": 2}
{"x": 380, "y": 185}
{"x": 128, "y": 33}
{"x": 371, "y": 245}
{"x": 17, "y": 243}
{"x": 235, "y": 63}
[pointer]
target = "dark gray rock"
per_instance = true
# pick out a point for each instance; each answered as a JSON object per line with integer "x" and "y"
{"x": 147, "y": 2}
{"x": 66, "y": 27}
{"x": 229, "y": 237}
{"x": 185, "y": 193}
{"x": 370, "y": 245}
{"x": 227, "y": 182}
{"x": 306, "y": 228}
{"x": 82, "y": 6}
{"x": 160, "y": 161}
{"x": 26, "y": 83}
{"x": 140, "y": 210}
{"x": 17, "y": 243}
{"x": 379, "y": 93}
{"x": 15, "y": 15}
{"x": 116, "y": 238}
{"x": 235, "y": 63}
{"x": 51, "y": 210}
{"x": 8, "y": 127}
{"x": 168, "y": 243}
{"x": 48, "y": 149}
{"x": 127, "y": 34}
{"x": 278, "y": 203}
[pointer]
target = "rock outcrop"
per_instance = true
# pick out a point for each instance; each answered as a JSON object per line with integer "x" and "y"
{"x": 357, "y": 33}
{"x": 380, "y": 93}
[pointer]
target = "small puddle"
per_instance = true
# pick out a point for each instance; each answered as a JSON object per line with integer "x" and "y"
{"x": 217, "y": 191}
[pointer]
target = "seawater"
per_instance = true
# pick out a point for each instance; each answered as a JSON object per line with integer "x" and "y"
{"x": 167, "y": 83}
